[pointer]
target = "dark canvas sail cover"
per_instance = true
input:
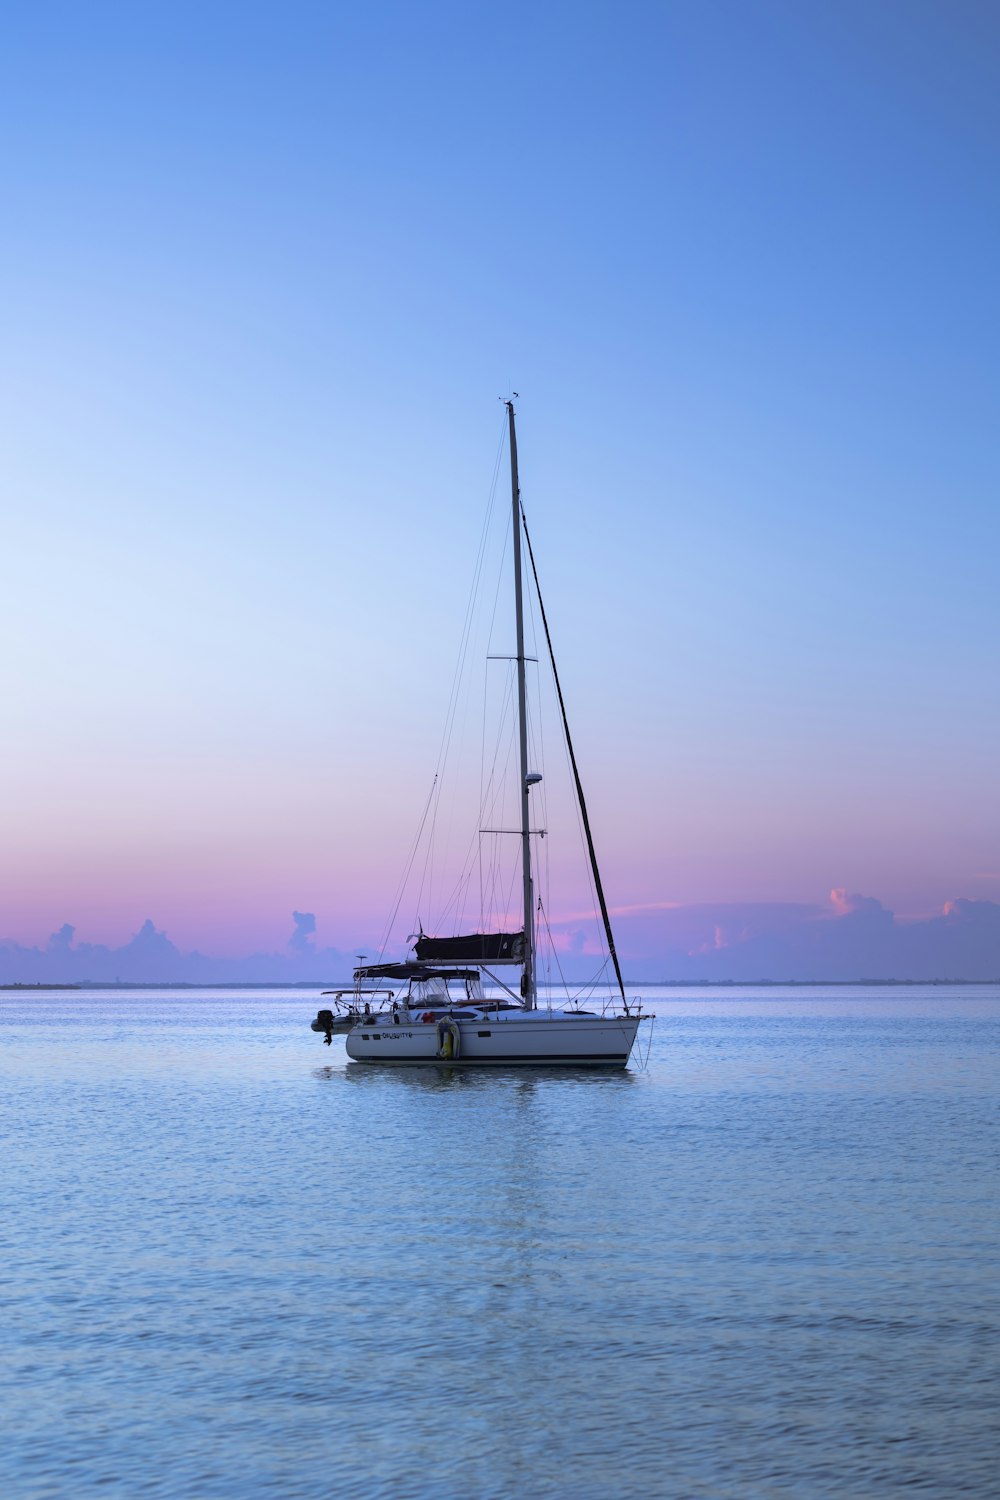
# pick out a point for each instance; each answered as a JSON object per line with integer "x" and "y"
{"x": 478, "y": 947}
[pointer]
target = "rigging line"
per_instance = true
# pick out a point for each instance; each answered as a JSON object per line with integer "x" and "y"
{"x": 501, "y": 573}
{"x": 455, "y": 903}
{"x": 466, "y": 637}
{"x": 461, "y": 664}
{"x": 494, "y": 808}
{"x": 428, "y": 859}
{"x": 496, "y": 785}
{"x": 470, "y": 606}
{"x": 576, "y": 773}
{"x": 482, "y": 774}
{"x": 594, "y": 908}
{"x": 464, "y": 896}
{"x": 543, "y": 789}
{"x": 401, "y": 887}
{"x": 536, "y": 726}
{"x": 542, "y": 855}
{"x": 552, "y": 948}
{"x": 588, "y": 987}
{"x": 498, "y": 812}
{"x": 429, "y": 856}
{"x": 491, "y": 888}
{"x": 539, "y": 749}
{"x": 595, "y": 912}
{"x": 587, "y": 863}
{"x": 585, "y": 987}
{"x": 484, "y": 786}
{"x": 487, "y": 786}
{"x": 487, "y": 806}
{"x": 484, "y": 791}
{"x": 649, "y": 1046}
{"x": 452, "y": 709}
{"x": 473, "y": 857}
{"x": 514, "y": 874}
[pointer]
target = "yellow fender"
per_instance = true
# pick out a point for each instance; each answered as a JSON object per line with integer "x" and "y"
{"x": 449, "y": 1040}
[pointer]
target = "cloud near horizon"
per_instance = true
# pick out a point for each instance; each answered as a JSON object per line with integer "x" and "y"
{"x": 151, "y": 957}
{"x": 854, "y": 937}
{"x": 301, "y": 940}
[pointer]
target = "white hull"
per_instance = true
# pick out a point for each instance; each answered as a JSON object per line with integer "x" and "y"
{"x": 551, "y": 1038}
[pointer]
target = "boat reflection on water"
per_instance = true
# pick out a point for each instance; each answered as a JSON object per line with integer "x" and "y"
{"x": 440, "y": 1075}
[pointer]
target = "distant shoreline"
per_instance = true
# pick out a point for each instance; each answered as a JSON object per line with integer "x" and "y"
{"x": 660, "y": 984}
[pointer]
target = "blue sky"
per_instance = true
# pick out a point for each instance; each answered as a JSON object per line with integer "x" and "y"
{"x": 266, "y": 270}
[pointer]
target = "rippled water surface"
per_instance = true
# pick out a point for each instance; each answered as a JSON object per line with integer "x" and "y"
{"x": 234, "y": 1264}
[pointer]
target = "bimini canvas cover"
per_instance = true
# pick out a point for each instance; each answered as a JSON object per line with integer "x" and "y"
{"x": 477, "y": 947}
{"x": 413, "y": 971}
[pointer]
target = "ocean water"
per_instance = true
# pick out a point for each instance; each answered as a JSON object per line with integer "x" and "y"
{"x": 764, "y": 1264}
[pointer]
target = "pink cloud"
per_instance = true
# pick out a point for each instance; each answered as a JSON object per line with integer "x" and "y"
{"x": 845, "y": 903}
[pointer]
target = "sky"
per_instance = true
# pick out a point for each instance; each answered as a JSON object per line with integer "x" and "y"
{"x": 265, "y": 271}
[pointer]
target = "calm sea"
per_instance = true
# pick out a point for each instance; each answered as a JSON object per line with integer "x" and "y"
{"x": 765, "y": 1264}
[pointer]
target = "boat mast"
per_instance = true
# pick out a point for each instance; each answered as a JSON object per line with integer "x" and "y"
{"x": 528, "y": 982}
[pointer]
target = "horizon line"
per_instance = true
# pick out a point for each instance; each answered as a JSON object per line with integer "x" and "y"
{"x": 309, "y": 984}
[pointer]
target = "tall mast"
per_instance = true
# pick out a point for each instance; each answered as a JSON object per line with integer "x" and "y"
{"x": 522, "y": 722}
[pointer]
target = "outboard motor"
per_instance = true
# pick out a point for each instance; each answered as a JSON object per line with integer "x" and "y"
{"x": 324, "y": 1023}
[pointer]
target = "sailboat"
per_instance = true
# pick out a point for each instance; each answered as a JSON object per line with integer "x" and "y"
{"x": 438, "y": 1010}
